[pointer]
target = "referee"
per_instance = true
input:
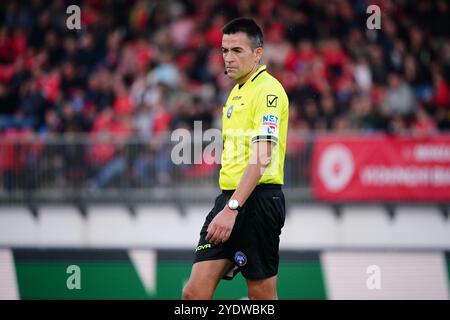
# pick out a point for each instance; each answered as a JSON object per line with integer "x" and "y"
{"x": 242, "y": 231}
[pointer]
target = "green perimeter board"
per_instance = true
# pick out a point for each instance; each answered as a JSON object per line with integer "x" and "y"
{"x": 109, "y": 274}
{"x": 105, "y": 274}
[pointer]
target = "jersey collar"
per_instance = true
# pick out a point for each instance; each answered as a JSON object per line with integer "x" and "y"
{"x": 255, "y": 74}
{"x": 260, "y": 70}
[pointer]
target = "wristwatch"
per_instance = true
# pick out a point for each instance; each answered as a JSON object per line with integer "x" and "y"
{"x": 233, "y": 204}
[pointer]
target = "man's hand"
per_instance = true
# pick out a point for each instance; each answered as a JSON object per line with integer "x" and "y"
{"x": 220, "y": 228}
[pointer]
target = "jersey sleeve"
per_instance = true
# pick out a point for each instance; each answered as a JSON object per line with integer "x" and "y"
{"x": 268, "y": 106}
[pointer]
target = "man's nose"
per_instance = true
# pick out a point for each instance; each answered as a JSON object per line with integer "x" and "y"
{"x": 228, "y": 58}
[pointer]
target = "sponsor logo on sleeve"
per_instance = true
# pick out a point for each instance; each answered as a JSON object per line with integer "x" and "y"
{"x": 269, "y": 124}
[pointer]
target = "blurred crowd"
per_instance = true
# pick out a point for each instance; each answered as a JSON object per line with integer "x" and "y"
{"x": 144, "y": 68}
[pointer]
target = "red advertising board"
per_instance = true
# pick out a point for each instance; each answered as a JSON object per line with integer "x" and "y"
{"x": 382, "y": 168}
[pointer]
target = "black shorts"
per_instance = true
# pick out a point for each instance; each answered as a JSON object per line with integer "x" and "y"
{"x": 254, "y": 241}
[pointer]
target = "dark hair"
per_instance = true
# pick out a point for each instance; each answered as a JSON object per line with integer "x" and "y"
{"x": 249, "y": 27}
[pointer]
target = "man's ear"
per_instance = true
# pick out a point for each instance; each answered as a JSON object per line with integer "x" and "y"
{"x": 258, "y": 54}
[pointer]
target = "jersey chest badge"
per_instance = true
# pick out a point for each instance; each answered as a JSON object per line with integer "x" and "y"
{"x": 229, "y": 112}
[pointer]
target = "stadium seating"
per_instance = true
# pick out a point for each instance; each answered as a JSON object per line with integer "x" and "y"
{"x": 18, "y": 227}
{"x": 307, "y": 226}
{"x": 110, "y": 226}
{"x": 310, "y": 226}
{"x": 366, "y": 226}
{"x": 60, "y": 226}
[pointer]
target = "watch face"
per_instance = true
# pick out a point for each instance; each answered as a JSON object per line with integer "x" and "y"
{"x": 233, "y": 204}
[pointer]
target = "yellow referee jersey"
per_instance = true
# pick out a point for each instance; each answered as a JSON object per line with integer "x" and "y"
{"x": 258, "y": 110}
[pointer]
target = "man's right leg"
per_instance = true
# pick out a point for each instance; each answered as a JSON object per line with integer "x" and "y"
{"x": 205, "y": 276}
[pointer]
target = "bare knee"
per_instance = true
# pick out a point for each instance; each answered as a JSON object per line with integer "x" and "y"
{"x": 188, "y": 293}
{"x": 261, "y": 294}
{"x": 204, "y": 278}
{"x": 262, "y": 289}
{"x": 191, "y": 292}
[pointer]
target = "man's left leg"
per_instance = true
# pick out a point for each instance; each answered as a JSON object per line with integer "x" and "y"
{"x": 259, "y": 240}
{"x": 262, "y": 289}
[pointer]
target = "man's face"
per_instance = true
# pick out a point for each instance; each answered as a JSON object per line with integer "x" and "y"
{"x": 239, "y": 57}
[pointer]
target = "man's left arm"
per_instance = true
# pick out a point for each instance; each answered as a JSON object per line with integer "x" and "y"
{"x": 220, "y": 228}
{"x": 261, "y": 157}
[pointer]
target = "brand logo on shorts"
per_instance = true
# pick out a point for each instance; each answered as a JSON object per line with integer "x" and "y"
{"x": 240, "y": 258}
{"x": 203, "y": 247}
